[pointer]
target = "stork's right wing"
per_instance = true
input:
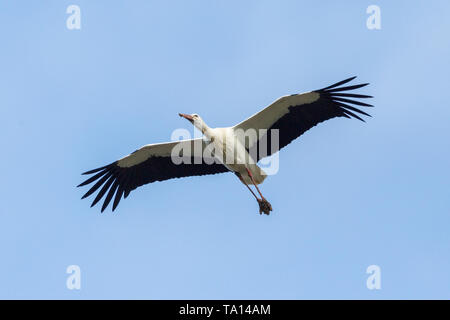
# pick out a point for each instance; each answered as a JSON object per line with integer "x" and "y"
{"x": 150, "y": 163}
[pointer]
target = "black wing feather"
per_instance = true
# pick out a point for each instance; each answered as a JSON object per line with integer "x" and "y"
{"x": 351, "y": 95}
{"x": 93, "y": 178}
{"x": 362, "y": 104}
{"x": 356, "y": 86}
{"x": 103, "y": 190}
{"x": 340, "y": 83}
{"x": 346, "y": 106}
{"x": 94, "y": 170}
{"x": 97, "y": 185}
{"x": 110, "y": 194}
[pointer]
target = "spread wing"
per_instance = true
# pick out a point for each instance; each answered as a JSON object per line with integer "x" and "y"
{"x": 150, "y": 163}
{"x": 295, "y": 114}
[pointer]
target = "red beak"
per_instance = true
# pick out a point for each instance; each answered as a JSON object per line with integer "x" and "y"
{"x": 186, "y": 116}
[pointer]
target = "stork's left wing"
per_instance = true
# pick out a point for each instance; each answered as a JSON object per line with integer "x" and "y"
{"x": 295, "y": 114}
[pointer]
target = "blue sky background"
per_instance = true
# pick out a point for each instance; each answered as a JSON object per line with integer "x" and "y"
{"x": 348, "y": 194}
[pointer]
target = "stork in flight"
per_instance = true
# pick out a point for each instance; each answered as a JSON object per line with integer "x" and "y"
{"x": 291, "y": 115}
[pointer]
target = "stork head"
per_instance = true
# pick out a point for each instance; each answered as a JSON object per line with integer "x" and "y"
{"x": 195, "y": 120}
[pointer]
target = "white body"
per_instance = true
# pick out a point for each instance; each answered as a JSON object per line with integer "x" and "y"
{"x": 232, "y": 153}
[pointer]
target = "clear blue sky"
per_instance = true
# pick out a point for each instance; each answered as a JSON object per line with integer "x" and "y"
{"x": 348, "y": 194}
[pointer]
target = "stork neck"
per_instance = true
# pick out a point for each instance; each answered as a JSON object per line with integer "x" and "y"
{"x": 206, "y": 130}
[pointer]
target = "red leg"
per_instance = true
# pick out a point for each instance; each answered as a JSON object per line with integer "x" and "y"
{"x": 264, "y": 205}
{"x": 242, "y": 180}
{"x": 254, "y": 183}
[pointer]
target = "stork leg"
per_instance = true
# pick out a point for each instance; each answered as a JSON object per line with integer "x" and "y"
{"x": 242, "y": 180}
{"x": 264, "y": 205}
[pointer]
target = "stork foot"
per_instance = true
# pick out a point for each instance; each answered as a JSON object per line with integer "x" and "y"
{"x": 264, "y": 206}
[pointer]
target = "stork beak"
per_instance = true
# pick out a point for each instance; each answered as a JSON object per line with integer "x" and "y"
{"x": 186, "y": 116}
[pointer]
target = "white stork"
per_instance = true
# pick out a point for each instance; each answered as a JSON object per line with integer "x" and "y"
{"x": 292, "y": 115}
